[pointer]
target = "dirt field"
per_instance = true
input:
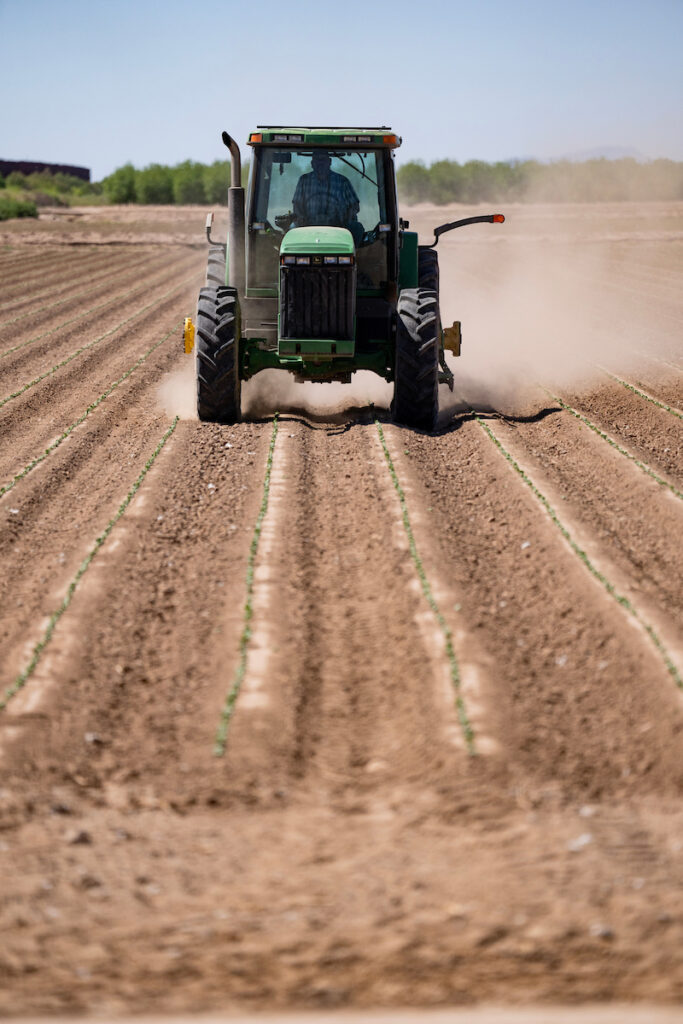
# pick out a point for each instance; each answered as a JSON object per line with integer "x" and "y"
{"x": 453, "y": 771}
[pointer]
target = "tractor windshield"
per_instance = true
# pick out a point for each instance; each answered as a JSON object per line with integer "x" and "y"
{"x": 341, "y": 188}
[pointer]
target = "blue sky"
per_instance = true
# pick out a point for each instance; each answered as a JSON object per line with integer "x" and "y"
{"x": 97, "y": 83}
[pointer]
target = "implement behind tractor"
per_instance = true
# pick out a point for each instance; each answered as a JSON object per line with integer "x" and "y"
{"x": 321, "y": 277}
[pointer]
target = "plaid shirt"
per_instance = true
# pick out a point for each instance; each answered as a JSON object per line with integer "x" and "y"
{"x": 332, "y": 201}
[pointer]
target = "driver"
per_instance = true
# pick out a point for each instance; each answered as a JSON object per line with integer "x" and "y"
{"x": 325, "y": 197}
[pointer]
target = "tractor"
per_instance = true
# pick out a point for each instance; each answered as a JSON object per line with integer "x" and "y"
{"x": 320, "y": 276}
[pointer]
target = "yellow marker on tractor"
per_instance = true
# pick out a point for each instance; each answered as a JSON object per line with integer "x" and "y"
{"x": 452, "y": 338}
{"x": 188, "y": 335}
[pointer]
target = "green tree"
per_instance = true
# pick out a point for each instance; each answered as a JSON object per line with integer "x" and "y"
{"x": 120, "y": 186}
{"x": 413, "y": 181}
{"x": 15, "y": 179}
{"x": 154, "y": 184}
{"x": 188, "y": 183}
{"x": 446, "y": 182}
{"x": 216, "y": 179}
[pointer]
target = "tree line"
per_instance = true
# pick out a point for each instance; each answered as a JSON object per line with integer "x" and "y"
{"x": 444, "y": 181}
{"x": 447, "y": 181}
{"x": 187, "y": 182}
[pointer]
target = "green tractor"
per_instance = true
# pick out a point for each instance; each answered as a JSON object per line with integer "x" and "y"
{"x": 320, "y": 276}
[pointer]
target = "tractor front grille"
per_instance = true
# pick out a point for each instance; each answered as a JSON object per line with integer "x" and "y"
{"x": 317, "y": 301}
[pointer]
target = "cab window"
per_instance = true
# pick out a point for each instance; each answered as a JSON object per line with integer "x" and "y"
{"x": 352, "y": 195}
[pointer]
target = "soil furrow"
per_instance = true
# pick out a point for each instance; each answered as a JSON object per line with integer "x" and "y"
{"x": 566, "y": 676}
{"x": 19, "y": 258}
{"x": 44, "y": 641}
{"x": 329, "y": 706}
{"x": 616, "y": 446}
{"x": 93, "y": 352}
{"x": 649, "y": 432}
{"x": 665, "y": 388}
{"x": 33, "y": 420}
{"x": 41, "y": 544}
{"x": 646, "y": 396}
{"x": 90, "y": 409}
{"x": 628, "y": 520}
{"x": 127, "y": 667}
{"x": 33, "y": 292}
{"x": 114, "y": 272}
{"x": 24, "y": 351}
{"x": 53, "y": 273}
{"x": 355, "y": 709}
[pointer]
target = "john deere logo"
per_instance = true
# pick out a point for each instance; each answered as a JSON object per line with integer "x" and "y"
{"x": 317, "y": 259}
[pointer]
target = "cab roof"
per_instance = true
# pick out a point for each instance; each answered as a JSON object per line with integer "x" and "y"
{"x": 279, "y": 135}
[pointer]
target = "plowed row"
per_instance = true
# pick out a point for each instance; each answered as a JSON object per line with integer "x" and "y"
{"x": 453, "y": 769}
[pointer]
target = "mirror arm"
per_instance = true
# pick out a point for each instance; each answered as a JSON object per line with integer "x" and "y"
{"x": 491, "y": 218}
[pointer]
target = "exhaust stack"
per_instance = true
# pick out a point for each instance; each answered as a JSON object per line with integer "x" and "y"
{"x": 236, "y": 269}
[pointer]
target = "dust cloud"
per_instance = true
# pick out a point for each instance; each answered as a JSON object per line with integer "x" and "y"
{"x": 555, "y": 294}
{"x": 177, "y": 394}
{"x": 274, "y": 390}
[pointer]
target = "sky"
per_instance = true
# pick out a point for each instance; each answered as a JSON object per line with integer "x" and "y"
{"x": 98, "y": 83}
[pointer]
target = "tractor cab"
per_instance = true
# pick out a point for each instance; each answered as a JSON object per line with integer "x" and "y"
{"x": 338, "y": 182}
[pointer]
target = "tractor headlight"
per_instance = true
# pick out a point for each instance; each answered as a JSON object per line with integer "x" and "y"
{"x": 330, "y": 259}
{"x": 288, "y": 259}
{"x": 346, "y": 259}
{"x": 303, "y": 259}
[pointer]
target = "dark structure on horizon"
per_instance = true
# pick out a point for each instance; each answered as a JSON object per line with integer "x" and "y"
{"x": 35, "y": 167}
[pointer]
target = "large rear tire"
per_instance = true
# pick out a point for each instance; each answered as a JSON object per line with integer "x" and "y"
{"x": 428, "y": 268}
{"x": 416, "y": 386}
{"x": 215, "y": 267}
{"x": 218, "y": 380}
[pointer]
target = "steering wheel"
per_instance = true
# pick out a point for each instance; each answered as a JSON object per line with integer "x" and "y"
{"x": 284, "y": 221}
{"x": 370, "y": 236}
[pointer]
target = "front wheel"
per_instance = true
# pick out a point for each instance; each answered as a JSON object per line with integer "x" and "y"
{"x": 416, "y": 387}
{"x": 218, "y": 380}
